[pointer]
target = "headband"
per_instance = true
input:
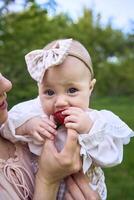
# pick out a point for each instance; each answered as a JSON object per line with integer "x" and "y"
{"x": 38, "y": 61}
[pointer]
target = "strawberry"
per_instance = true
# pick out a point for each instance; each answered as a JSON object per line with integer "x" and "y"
{"x": 59, "y": 118}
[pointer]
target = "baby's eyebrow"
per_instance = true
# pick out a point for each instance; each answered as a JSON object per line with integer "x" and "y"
{"x": 47, "y": 85}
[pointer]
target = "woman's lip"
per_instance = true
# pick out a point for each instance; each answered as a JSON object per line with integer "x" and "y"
{"x": 3, "y": 105}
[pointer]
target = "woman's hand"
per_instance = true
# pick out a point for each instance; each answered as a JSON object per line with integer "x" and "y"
{"x": 78, "y": 188}
{"x": 54, "y": 165}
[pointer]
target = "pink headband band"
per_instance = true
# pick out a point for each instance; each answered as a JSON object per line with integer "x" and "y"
{"x": 38, "y": 61}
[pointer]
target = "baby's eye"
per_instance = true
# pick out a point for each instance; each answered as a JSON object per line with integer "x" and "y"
{"x": 49, "y": 92}
{"x": 72, "y": 90}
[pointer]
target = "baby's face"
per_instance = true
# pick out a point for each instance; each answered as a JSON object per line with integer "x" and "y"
{"x": 68, "y": 84}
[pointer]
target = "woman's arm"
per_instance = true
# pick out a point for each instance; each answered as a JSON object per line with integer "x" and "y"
{"x": 54, "y": 166}
{"x": 44, "y": 190}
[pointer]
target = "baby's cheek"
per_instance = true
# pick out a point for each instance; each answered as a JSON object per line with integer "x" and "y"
{"x": 47, "y": 107}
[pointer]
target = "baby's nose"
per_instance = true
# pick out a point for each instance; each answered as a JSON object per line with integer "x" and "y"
{"x": 61, "y": 101}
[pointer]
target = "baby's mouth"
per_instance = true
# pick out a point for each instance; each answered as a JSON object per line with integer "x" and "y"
{"x": 59, "y": 118}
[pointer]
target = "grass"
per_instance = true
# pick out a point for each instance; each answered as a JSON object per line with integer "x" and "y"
{"x": 120, "y": 179}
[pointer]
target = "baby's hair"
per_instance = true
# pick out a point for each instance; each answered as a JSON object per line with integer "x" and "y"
{"x": 77, "y": 50}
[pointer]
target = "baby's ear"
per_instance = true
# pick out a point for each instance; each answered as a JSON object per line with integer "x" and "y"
{"x": 92, "y": 84}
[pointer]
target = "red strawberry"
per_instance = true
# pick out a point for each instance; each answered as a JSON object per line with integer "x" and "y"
{"x": 59, "y": 118}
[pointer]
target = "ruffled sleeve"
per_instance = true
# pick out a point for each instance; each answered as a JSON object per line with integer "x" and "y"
{"x": 104, "y": 143}
{"x": 17, "y": 116}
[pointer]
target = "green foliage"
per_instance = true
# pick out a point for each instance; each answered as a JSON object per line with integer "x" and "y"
{"x": 33, "y": 28}
{"x": 112, "y": 55}
{"x": 119, "y": 179}
{"x": 121, "y": 105}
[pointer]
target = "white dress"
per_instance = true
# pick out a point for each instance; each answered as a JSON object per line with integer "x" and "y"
{"x": 101, "y": 147}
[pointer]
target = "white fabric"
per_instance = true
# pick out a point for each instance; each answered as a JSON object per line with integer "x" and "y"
{"x": 104, "y": 142}
{"x": 103, "y": 145}
{"x": 38, "y": 61}
{"x": 18, "y": 115}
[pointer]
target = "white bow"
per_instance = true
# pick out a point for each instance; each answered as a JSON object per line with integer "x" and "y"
{"x": 38, "y": 61}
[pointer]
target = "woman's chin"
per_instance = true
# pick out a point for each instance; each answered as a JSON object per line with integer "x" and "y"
{"x": 3, "y": 117}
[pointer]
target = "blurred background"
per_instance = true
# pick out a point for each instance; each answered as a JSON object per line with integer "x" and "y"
{"x": 107, "y": 31}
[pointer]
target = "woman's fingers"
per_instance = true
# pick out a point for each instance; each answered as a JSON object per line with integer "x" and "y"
{"x": 68, "y": 196}
{"x": 71, "y": 141}
{"x": 74, "y": 191}
{"x": 83, "y": 183}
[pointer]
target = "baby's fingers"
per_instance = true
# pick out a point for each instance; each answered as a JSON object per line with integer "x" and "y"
{"x": 44, "y": 133}
{"x": 36, "y": 136}
{"x": 71, "y": 125}
{"x": 49, "y": 122}
{"x": 71, "y": 118}
{"x": 47, "y": 128}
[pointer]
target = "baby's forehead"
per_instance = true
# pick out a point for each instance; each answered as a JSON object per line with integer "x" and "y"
{"x": 66, "y": 75}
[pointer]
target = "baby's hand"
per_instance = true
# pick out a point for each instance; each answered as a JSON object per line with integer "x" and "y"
{"x": 39, "y": 128}
{"x": 77, "y": 119}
